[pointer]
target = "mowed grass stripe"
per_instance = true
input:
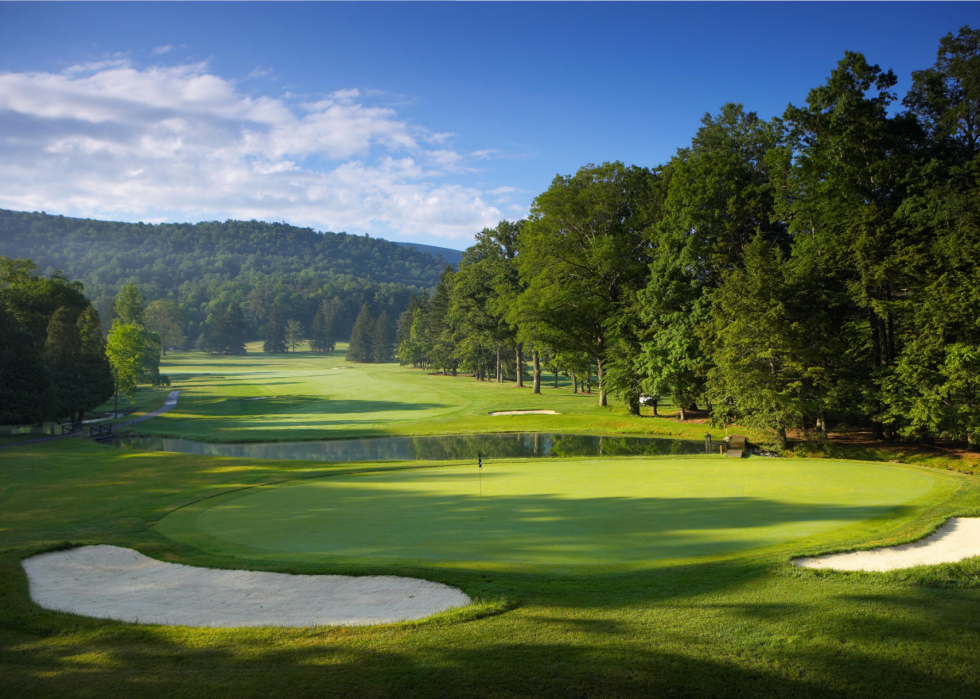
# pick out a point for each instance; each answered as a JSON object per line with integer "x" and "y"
{"x": 307, "y": 396}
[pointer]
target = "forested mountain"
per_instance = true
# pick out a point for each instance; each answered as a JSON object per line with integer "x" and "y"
{"x": 453, "y": 257}
{"x": 200, "y": 265}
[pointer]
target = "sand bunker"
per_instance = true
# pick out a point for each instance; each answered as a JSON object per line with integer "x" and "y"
{"x": 525, "y": 412}
{"x": 957, "y": 539}
{"x": 110, "y": 582}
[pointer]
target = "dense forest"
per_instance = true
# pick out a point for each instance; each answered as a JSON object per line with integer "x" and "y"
{"x": 202, "y": 266}
{"x": 815, "y": 270}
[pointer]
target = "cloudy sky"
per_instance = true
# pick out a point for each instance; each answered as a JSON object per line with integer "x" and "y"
{"x": 409, "y": 122}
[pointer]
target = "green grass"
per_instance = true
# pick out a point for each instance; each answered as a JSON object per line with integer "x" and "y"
{"x": 313, "y": 396}
{"x": 721, "y": 612}
{"x": 552, "y": 515}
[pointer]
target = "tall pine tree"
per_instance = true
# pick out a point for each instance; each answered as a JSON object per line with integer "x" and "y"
{"x": 362, "y": 336}
{"x": 275, "y": 333}
{"x": 322, "y": 329}
{"x": 382, "y": 340}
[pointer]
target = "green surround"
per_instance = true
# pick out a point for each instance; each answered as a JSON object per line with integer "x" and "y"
{"x": 555, "y": 514}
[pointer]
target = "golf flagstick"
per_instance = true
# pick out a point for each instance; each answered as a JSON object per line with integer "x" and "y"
{"x": 479, "y": 462}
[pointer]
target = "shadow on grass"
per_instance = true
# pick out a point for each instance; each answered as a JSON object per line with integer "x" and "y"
{"x": 524, "y": 657}
{"x": 350, "y": 518}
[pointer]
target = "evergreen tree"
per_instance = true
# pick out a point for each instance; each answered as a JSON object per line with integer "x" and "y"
{"x": 97, "y": 371}
{"x": 294, "y": 334}
{"x": 235, "y": 330}
{"x": 62, "y": 354}
{"x": 275, "y": 333}
{"x": 25, "y": 387}
{"x": 439, "y": 325}
{"x": 362, "y": 336}
{"x": 322, "y": 329}
{"x": 382, "y": 340}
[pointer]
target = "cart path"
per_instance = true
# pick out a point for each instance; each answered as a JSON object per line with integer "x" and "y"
{"x": 169, "y": 404}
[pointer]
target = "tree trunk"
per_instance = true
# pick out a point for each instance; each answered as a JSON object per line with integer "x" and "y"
{"x": 536, "y": 360}
{"x": 683, "y": 413}
{"x": 556, "y": 378}
{"x": 602, "y": 388}
{"x": 633, "y": 404}
{"x": 574, "y": 382}
{"x": 877, "y": 431}
{"x": 781, "y": 438}
{"x": 655, "y": 414}
{"x": 500, "y": 379}
{"x": 519, "y": 369}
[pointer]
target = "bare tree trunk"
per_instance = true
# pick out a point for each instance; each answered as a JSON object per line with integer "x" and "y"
{"x": 574, "y": 382}
{"x": 500, "y": 379}
{"x": 556, "y": 378}
{"x": 519, "y": 369}
{"x": 536, "y": 360}
{"x": 683, "y": 413}
{"x": 602, "y": 389}
{"x": 655, "y": 414}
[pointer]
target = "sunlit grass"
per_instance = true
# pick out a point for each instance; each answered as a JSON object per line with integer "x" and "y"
{"x": 730, "y": 623}
{"x": 313, "y": 396}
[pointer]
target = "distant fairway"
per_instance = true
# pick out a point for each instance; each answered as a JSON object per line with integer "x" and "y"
{"x": 306, "y": 396}
{"x": 548, "y": 514}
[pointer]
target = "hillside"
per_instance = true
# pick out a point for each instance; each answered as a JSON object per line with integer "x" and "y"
{"x": 453, "y": 257}
{"x": 107, "y": 252}
{"x": 198, "y": 265}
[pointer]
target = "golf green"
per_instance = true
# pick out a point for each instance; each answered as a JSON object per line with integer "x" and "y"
{"x": 552, "y": 513}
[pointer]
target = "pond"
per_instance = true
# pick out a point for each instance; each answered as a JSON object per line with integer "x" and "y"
{"x": 512, "y": 445}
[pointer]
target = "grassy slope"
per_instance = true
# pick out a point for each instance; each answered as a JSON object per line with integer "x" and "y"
{"x": 311, "y": 396}
{"x": 748, "y": 625}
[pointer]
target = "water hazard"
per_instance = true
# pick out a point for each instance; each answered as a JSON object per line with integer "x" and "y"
{"x": 513, "y": 445}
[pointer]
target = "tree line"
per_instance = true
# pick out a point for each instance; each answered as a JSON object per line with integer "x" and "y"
{"x": 814, "y": 270}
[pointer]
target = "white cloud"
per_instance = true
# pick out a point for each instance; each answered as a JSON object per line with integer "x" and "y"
{"x": 160, "y": 50}
{"x": 259, "y": 73}
{"x": 112, "y": 140}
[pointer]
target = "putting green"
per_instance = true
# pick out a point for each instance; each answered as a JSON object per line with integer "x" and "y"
{"x": 555, "y": 513}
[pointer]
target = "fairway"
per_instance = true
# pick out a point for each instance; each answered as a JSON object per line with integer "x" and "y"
{"x": 550, "y": 514}
{"x": 310, "y": 396}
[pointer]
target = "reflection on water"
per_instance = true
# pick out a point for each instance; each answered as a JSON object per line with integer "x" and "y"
{"x": 522, "y": 444}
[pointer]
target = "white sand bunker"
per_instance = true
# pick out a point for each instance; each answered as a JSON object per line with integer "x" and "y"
{"x": 957, "y": 539}
{"x": 525, "y": 412}
{"x": 110, "y": 582}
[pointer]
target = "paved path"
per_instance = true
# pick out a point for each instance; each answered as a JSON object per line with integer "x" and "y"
{"x": 168, "y": 404}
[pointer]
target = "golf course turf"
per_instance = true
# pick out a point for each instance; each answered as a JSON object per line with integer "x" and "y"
{"x": 549, "y": 515}
{"x": 591, "y": 577}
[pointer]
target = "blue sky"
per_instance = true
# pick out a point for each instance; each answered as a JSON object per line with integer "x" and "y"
{"x": 408, "y": 121}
